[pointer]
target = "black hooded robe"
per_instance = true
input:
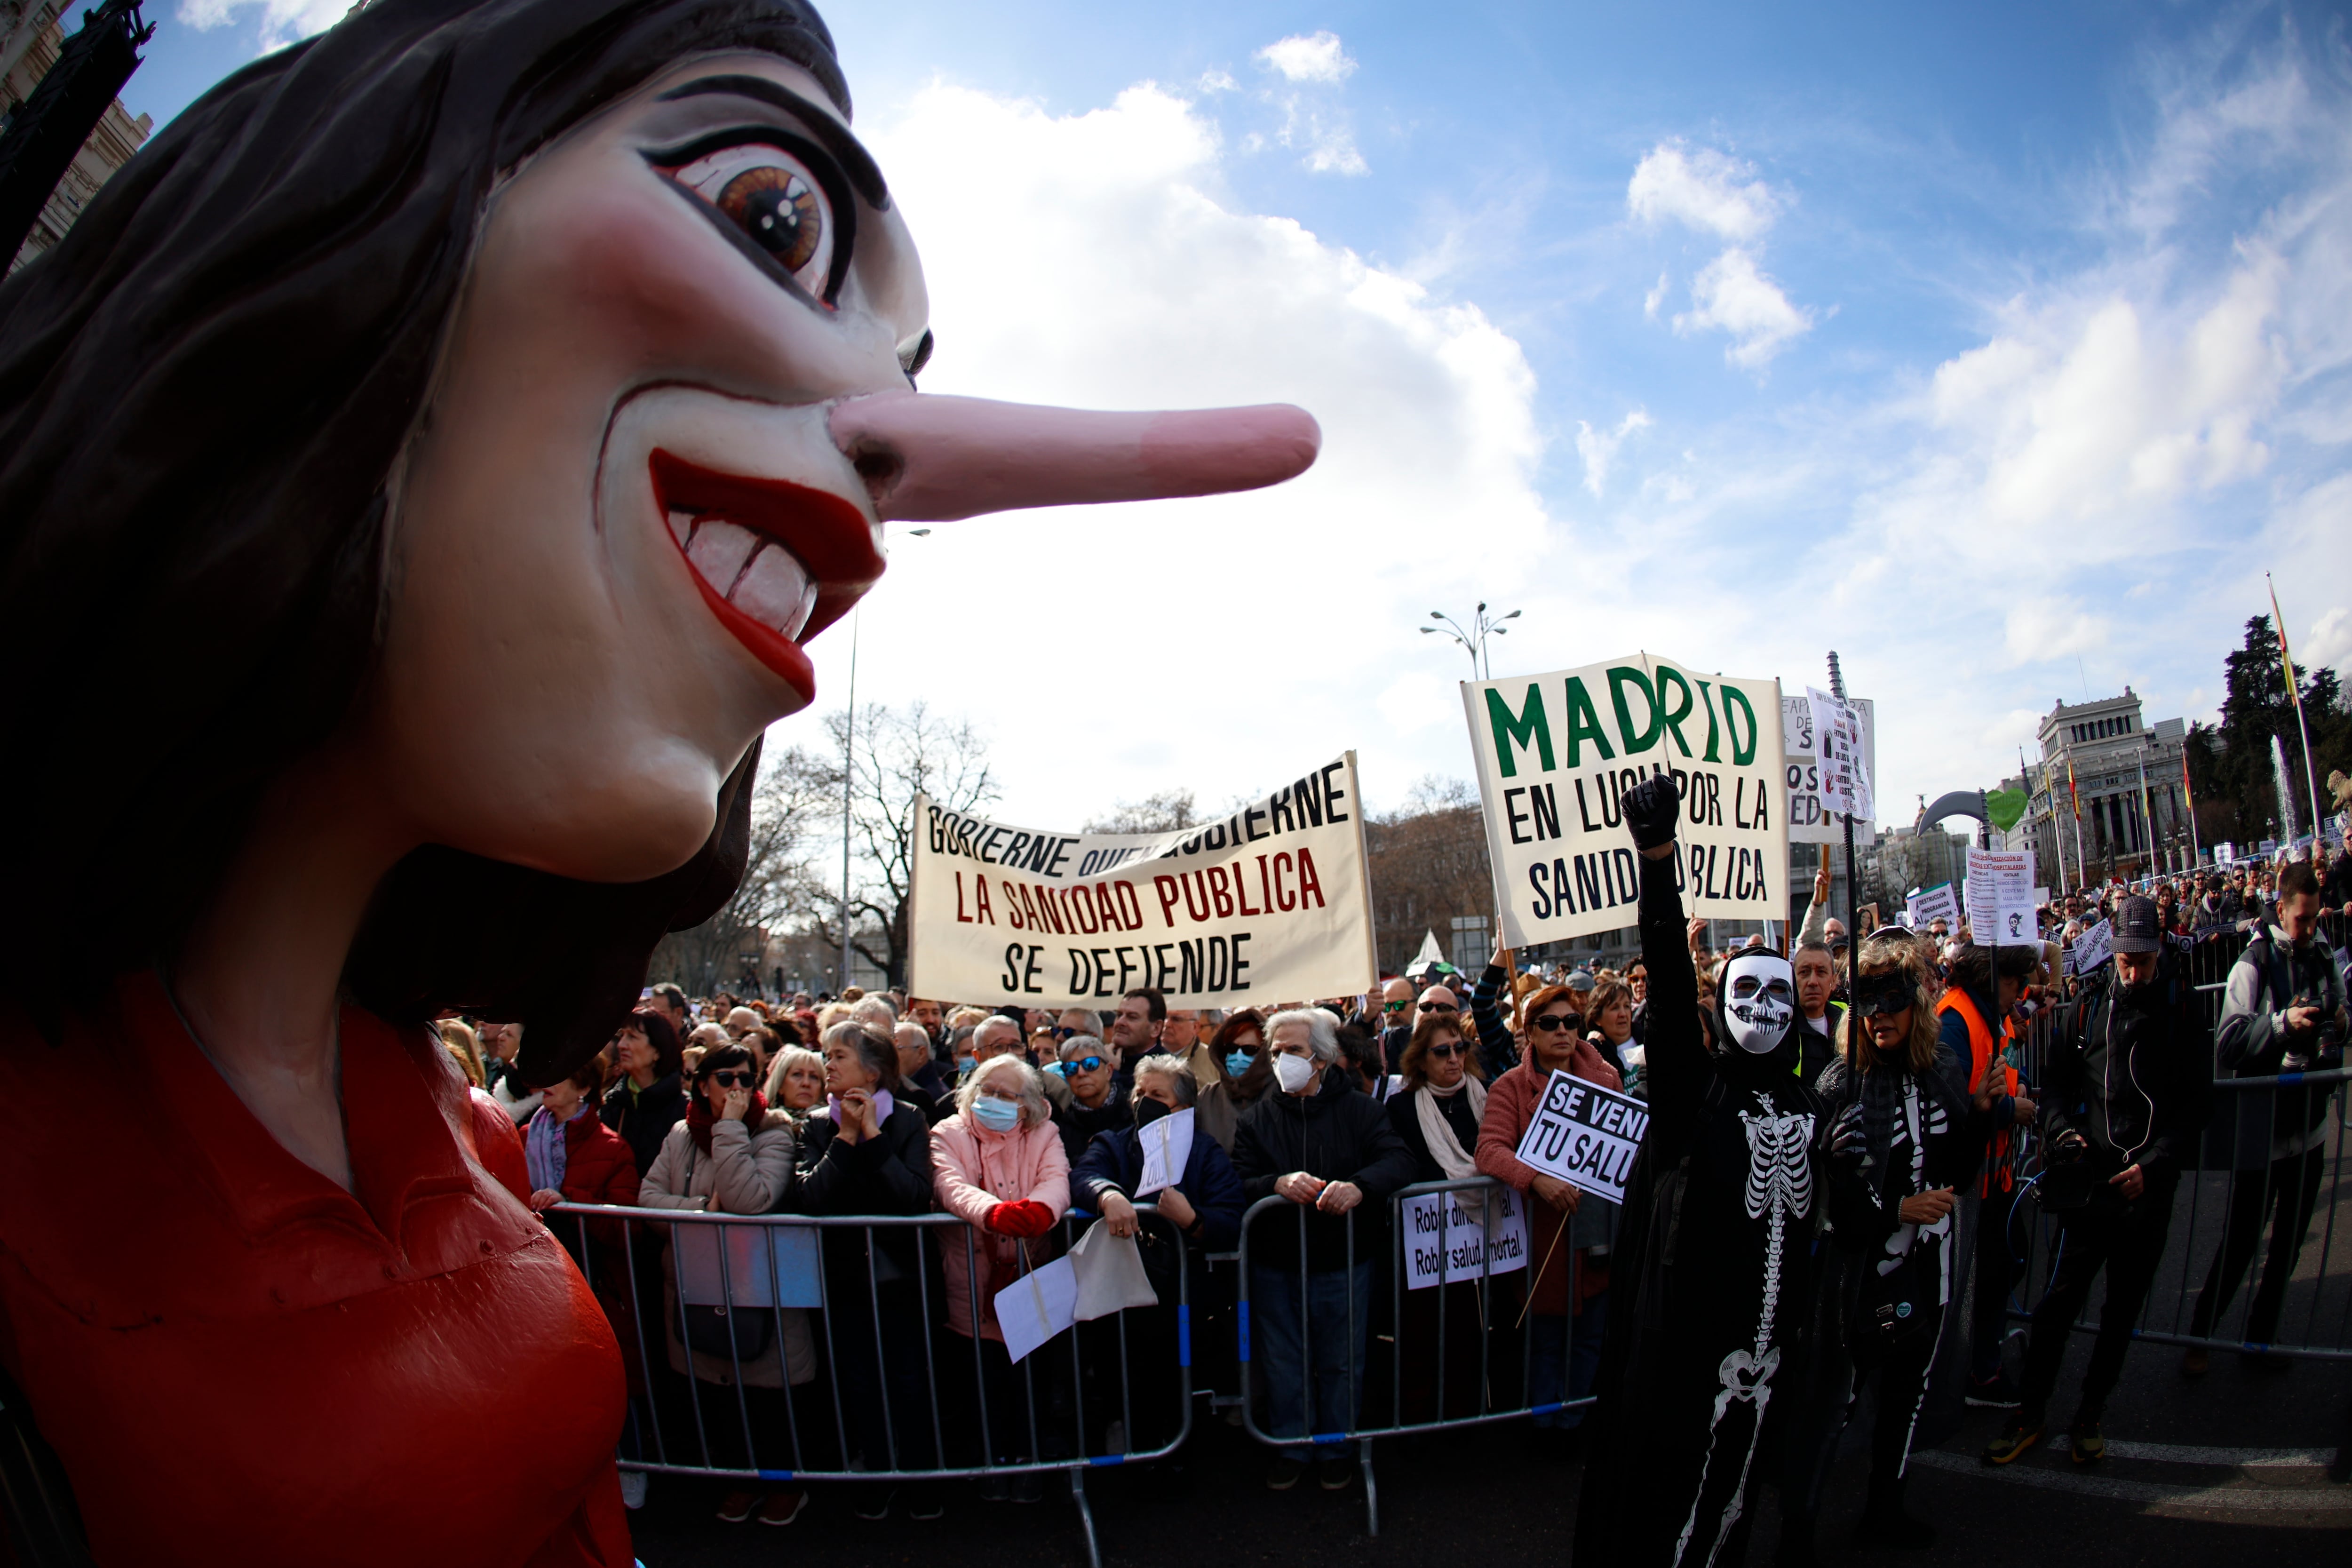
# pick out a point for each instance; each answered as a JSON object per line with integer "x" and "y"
{"x": 1711, "y": 1280}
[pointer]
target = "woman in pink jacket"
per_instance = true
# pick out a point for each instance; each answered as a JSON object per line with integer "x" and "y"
{"x": 999, "y": 1166}
{"x": 1555, "y": 1038}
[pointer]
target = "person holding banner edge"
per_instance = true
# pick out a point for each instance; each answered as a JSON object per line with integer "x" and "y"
{"x": 1714, "y": 1265}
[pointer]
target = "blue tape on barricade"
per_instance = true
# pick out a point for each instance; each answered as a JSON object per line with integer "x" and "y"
{"x": 1183, "y": 1334}
{"x": 775, "y": 1475}
{"x": 1328, "y": 1440}
{"x": 1554, "y": 1405}
{"x": 1245, "y": 1332}
{"x": 1107, "y": 1459}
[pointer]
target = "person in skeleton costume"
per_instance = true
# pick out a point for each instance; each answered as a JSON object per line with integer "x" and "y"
{"x": 1715, "y": 1264}
{"x": 1889, "y": 1303}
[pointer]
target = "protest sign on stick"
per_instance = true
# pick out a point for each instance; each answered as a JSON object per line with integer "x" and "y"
{"x": 1268, "y": 904}
{"x": 1556, "y": 754}
{"x": 2000, "y": 898}
{"x": 1586, "y": 1135}
{"x": 1932, "y": 904}
{"x": 1812, "y": 820}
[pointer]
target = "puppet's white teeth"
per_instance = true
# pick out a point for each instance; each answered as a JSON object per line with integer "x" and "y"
{"x": 776, "y": 591}
{"x": 681, "y": 526}
{"x": 719, "y": 550}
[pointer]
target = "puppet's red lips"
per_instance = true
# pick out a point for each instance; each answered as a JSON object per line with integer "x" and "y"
{"x": 776, "y": 561}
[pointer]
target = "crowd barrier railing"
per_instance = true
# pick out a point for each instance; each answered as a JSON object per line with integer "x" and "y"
{"x": 874, "y": 1381}
{"x": 2251, "y": 1260}
{"x": 1461, "y": 1349}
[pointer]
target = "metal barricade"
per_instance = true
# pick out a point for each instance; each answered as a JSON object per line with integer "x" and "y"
{"x": 1425, "y": 1381}
{"x": 854, "y": 1294}
{"x": 2240, "y": 1247}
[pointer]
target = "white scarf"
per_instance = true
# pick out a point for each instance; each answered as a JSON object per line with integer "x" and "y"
{"x": 1438, "y": 1132}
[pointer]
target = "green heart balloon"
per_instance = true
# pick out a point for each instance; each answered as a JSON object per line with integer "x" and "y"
{"x": 2004, "y": 806}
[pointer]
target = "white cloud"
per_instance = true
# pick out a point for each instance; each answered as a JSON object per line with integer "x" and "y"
{"x": 1599, "y": 448}
{"x": 1312, "y": 120}
{"x": 1704, "y": 190}
{"x": 1315, "y": 56}
{"x": 1216, "y": 81}
{"x": 2090, "y": 405}
{"x": 1731, "y": 295}
{"x": 1655, "y": 297}
{"x": 2328, "y": 643}
{"x": 1113, "y": 651}
{"x": 2040, "y": 627}
{"x": 283, "y": 22}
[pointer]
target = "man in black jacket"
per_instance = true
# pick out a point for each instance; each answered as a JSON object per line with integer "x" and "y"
{"x": 1330, "y": 1149}
{"x": 2123, "y": 1103}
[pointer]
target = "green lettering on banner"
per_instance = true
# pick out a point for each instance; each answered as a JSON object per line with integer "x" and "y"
{"x": 1672, "y": 718}
{"x": 1619, "y": 677}
{"x": 1529, "y": 727}
{"x": 1705, "y": 691}
{"x": 1741, "y": 755}
{"x": 1584, "y": 723}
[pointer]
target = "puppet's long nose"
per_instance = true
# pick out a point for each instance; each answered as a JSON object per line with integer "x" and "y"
{"x": 933, "y": 459}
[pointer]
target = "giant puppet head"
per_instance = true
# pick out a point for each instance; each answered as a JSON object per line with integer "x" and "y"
{"x": 501, "y": 393}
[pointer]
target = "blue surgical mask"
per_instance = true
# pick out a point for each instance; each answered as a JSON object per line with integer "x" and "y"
{"x": 1238, "y": 1063}
{"x": 996, "y": 1115}
{"x": 964, "y": 1065}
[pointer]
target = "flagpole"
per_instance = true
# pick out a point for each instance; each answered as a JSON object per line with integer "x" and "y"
{"x": 2310, "y": 776}
{"x": 2188, "y": 798}
{"x": 1853, "y": 871}
{"x": 2074, "y": 800}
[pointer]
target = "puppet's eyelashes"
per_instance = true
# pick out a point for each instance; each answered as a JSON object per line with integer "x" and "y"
{"x": 775, "y": 200}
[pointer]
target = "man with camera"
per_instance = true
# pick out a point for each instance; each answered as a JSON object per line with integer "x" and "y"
{"x": 2123, "y": 1101}
{"x": 2284, "y": 1013}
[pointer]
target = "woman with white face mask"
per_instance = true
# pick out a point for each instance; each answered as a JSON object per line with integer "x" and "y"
{"x": 1329, "y": 1148}
{"x": 1001, "y": 1168}
{"x": 1713, "y": 1269}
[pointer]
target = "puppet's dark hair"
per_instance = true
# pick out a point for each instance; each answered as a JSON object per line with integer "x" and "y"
{"x": 202, "y": 389}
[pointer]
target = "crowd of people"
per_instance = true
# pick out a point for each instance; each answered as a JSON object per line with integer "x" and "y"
{"x": 1828, "y": 1200}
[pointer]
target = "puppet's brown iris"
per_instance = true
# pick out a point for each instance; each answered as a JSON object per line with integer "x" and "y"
{"x": 779, "y": 210}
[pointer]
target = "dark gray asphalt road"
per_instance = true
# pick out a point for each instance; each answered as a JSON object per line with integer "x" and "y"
{"x": 2229, "y": 1471}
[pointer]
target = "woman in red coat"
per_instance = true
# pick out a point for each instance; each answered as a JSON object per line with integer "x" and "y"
{"x": 456, "y": 492}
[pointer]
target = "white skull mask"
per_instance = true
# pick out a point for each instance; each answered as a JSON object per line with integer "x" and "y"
{"x": 1760, "y": 1000}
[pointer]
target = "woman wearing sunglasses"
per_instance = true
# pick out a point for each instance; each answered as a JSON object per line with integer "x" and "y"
{"x": 732, "y": 1155}
{"x": 1556, "y": 1043}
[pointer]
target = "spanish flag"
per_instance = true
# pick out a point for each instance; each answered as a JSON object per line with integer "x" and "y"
{"x": 2071, "y": 793}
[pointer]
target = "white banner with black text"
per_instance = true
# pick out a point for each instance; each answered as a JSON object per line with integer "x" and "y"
{"x": 1270, "y": 904}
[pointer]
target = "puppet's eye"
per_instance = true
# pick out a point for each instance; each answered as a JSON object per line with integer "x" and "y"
{"x": 774, "y": 199}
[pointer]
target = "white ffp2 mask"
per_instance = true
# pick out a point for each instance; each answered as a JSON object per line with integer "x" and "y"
{"x": 1292, "y": 1073}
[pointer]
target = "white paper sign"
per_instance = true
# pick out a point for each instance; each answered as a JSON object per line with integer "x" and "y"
{"x": 1038, "y": 1306}
{"x": 766, "y": 1265}
{"x": 1586, "y": 1135}
{"x": 1838, "y": 744}
{"x": 1931, "y": 904}
{"x": 2000, "y": 898}
{"x": 1167, "y": 1147}
{"x": 1444, "y": 1242}
{"x": 2040, "y": 898}
{"x": 2092, "y": 949}
{"x": 1810, "y": 821}
{"x": 1556, "y": 754}
{"x": 1109, "y": 1272}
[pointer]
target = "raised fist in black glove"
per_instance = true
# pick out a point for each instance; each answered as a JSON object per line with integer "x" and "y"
{"x": 1651, "y": 808}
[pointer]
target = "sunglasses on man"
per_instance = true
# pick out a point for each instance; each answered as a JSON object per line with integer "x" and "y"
{"x": 1439, "y": 1008}
{"x": 1395, "y": 1006}
{"x": 733, "y": 1079}
{"x": 1083, "y": 1064}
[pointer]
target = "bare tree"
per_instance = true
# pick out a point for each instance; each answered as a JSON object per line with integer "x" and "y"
{"x": 1428, "y": 864}
{"x": 901, "y": 753}
{"x": 1163, "y": 812}
{"x": 780, "y": 882}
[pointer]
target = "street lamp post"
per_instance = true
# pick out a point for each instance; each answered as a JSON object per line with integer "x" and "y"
{"x": 1473, "y": 639}
{"x": 848, "y": 776}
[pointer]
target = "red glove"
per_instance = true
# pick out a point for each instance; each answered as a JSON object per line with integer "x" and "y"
{"x": 1025, "y": 1218}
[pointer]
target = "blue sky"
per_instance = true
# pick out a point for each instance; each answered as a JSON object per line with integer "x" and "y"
{"x": 2000, "y": 348}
